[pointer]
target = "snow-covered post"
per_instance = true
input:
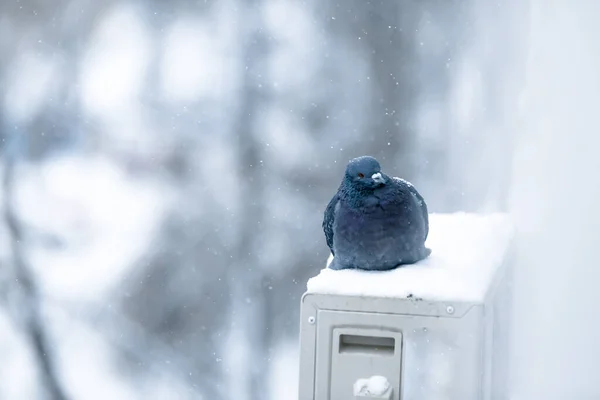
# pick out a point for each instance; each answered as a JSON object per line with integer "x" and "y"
{"x": 437, "y": 329}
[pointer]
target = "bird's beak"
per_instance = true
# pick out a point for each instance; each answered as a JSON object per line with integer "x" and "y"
{"x": 378, "y": 178}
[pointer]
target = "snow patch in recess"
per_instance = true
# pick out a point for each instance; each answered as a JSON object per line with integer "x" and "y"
{"x": 374, "y": 386}
{"x": 467, "y": 250}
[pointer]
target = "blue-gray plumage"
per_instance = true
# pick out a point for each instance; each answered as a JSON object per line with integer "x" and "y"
{"x": 375, "y": 222}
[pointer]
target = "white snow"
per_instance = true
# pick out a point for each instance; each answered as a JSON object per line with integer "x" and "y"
{"x": 407, "y": 183}
{"x": 374, "y": 386}
{"x": 467, "y": 250}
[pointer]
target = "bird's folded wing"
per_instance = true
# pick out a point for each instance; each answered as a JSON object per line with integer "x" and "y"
{"x": 328, "y": 220}
{"x": 420, "y": 200}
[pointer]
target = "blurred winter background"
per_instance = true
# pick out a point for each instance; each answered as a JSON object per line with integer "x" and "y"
{"x": 165, "y": 166}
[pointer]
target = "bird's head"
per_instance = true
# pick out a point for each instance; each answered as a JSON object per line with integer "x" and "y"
{"x": 364, "y": 173}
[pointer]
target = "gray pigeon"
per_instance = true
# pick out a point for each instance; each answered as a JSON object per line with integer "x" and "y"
{"x": 375, "y": 222}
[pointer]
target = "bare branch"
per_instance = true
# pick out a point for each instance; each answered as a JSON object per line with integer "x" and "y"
{"x": 27, "y": 311}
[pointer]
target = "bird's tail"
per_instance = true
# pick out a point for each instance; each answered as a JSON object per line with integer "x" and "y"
{"x": 426, "y": 252}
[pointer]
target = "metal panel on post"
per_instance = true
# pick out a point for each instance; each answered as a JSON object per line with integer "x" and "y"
{"x": 404, "y": 335}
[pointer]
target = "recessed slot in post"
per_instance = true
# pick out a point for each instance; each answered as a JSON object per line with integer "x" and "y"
{"x": 355, "y": 344}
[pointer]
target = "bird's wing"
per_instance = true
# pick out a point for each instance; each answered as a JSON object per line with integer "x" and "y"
{"x": 328, "y": 219}
{"x": 420, "y": 201}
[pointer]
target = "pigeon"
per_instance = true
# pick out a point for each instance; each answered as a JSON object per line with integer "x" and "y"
{"x": 375, "y": 222}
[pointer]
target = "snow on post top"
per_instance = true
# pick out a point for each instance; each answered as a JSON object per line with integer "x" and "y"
{"x": 467, "y": 250}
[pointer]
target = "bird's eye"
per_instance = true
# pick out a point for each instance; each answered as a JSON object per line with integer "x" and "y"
{"x": 361, "y": 175}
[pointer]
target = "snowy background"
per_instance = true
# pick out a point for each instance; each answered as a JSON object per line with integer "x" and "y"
{"x": 165, "y": 166}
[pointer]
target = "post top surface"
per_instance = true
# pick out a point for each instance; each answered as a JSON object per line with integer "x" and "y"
{"x": 467, "y": 251}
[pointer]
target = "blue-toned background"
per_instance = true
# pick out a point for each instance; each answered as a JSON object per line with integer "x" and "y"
{"x": 165, "y": 167}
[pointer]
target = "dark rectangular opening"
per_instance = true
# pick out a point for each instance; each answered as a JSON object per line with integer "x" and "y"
{"x": 356, "y": 344}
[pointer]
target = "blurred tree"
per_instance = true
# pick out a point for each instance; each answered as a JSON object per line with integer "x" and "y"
{"x": 251, "y": 299}
{"x": 24, "y": 300}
